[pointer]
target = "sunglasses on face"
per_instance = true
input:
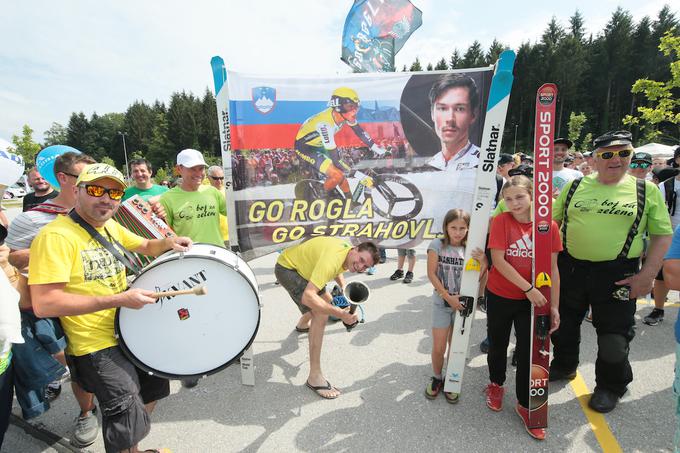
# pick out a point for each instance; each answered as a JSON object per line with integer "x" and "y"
{"x": 217, "y": 178}
{"x": 99, "y": 191}
{"x": 640, "y": 165}
{"x": 609, "y": 154}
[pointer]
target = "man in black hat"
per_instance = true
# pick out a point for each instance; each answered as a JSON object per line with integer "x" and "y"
{"x": 604, "y": 218}
{"x": 640, "y": 165}
{"x": 505, "y": 164}
{"x": 561, "y": 174}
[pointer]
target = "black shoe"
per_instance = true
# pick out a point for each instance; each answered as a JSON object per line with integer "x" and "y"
{"x": 397, "y": 275}
{"x": 484, "y": 346}
{"x": 513, "y": 362}
{"x": 52, "y": 391}
{"x": 408, "y": 278}
{"x": 560, "y": 375}
{"x": 654, "y": 318}
{"x": 603, "y": 401}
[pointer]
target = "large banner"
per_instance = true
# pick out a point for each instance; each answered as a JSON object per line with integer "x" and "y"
{"x": 378, "y": 157}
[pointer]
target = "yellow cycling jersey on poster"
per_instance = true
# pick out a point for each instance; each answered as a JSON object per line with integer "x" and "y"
{"x": 319, "y": 130}
{"x": 63, "y": 252}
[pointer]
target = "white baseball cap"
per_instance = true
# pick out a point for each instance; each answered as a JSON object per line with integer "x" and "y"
{"x": 190, "y": 158}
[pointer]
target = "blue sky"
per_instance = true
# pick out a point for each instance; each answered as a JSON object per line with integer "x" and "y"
{"x": 65, "y": 56}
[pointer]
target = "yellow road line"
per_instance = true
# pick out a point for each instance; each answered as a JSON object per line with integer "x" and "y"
{"x": 597, "y": 421}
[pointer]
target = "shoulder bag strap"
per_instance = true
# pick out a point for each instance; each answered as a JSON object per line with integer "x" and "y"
{"x": 567, "y": 200}
{"x": 640, "y": 189}
{"x": 125, "y": 257}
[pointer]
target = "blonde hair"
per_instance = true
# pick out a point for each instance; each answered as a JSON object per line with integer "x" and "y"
{"x": 519, "y": 181}
{"x": 455, "y": 214}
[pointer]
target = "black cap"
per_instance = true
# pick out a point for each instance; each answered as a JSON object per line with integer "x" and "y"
{"x": 3, "y": 233}
{"x": 642, "y": 157}
{"x": 665, "y": 173}
{"x": 564, "y": 141}
{"x": 526, "y": 157}
{"x": 613, "y": 138}
{"x": 505, "y": 159}
{"x": 676, "y": 153}
{"x": 523, "y": 169}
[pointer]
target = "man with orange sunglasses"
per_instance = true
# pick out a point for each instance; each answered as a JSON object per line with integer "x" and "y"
{"x": 74, "y": 274}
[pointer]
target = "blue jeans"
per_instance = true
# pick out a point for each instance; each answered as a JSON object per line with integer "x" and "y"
{"x": 34, "y": 366}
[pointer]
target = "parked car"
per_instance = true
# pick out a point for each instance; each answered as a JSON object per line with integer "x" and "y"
{"x": 14, "y": 191}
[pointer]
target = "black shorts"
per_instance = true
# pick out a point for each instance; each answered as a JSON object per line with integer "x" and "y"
{"x": 295, "y": 285}
{"x": 122, "y": 390}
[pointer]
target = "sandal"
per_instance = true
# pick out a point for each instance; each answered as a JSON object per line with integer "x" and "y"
{"x": 317, "y": 389}
{"x": 301, "y": 329}
{"x": 451, "y": 397}
{"x": 433, "y": 388}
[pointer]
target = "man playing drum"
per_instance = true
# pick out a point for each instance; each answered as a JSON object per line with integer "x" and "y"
{"x": 304, "y": 270}
{"x": 78, "y": 278}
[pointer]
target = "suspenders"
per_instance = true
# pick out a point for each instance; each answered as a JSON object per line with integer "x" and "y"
{"x": 640, "y": 189}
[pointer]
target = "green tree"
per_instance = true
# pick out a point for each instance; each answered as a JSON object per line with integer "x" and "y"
{"x": 441, "y": 65}
{"x": 107, "y": 160}
{"x": 576, "y": 123}
{"x": 24, "y": 144}
{"x": 55, "y": 135}
{"x": 664, "y": 105}
{"x": 429, "y": 67}
{"x": 77, "y": 128}
{"x": 160, "y": 175}
{"x": 494, "y": 52}
{"x": 455, "y": 61}
{"x": 161, "y": 152}
{"x": 474, "y": 56}
{"x": 416, "y": 66}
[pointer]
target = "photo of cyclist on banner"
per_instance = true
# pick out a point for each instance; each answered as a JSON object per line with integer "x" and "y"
{"x": 315, "y": 141}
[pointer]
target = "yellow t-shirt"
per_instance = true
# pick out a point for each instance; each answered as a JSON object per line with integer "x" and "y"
{"x": 224, "y": 227}
{"x": 318, "y": 260}
{"x": 63, "y": 252}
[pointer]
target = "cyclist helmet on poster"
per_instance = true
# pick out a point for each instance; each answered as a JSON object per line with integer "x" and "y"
{"x": 315, "y": 140}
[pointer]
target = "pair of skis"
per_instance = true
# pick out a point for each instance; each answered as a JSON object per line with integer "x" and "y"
{"x": 485, "y": 191}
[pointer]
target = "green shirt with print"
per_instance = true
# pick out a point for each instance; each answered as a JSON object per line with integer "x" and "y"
{"x": 144, "y": 193}
{"x": 195, "y": 214}
{"x": 599, "y": 218}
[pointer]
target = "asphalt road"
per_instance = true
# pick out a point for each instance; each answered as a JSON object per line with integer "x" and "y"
{"x": 383, "y": 367}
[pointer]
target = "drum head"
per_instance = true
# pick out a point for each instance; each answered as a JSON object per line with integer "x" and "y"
{"x": 185, "y": 336}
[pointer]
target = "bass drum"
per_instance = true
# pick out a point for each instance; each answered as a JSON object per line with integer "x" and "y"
{"x": 192, "y": 336}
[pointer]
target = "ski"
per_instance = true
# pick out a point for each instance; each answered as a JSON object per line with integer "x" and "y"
{"x": 485, "y": 191}
{"x": 544, "y": 132}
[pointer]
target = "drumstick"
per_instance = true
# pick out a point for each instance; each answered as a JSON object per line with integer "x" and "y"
{"x": 197, "y": 290}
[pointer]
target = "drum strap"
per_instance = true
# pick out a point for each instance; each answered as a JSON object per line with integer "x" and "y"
{"x": 116, "y": 249}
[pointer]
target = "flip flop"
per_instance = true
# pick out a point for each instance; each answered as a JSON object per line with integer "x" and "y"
{"x": 301, "y": 329}
{"x": 316, "y": 389}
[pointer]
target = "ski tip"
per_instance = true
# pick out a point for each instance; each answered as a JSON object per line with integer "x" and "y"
{"x": 506, "y": 61}
{"x": 542, "y": 280}
{"x": 219, "y": 72}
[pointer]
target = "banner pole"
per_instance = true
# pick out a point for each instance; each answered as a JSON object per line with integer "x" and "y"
{"x": 222, "y": 104}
